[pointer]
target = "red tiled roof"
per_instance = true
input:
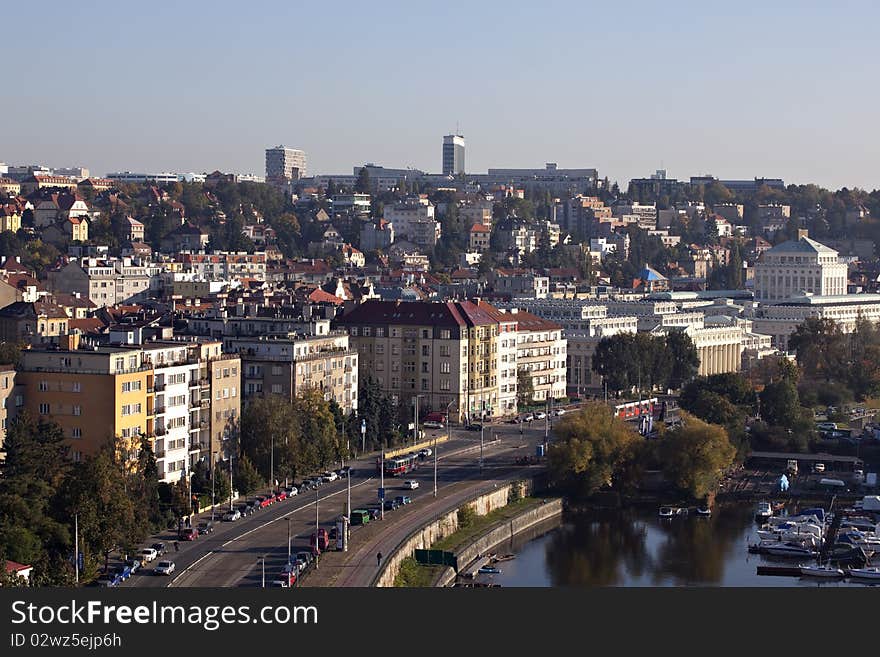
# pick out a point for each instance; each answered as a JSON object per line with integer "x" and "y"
{"x": 320, "y": 296}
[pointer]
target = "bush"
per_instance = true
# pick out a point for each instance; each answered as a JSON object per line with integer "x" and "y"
{"x": 515, "y": 493}
{"x": 466, "y": 516}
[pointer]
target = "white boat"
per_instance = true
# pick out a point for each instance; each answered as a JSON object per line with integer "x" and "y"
{"x": 821, "y": 571}
{"x": 763, "y": 510}
{"x": 787, "y": 549}
{"x": 865, "y": 573}
{"x": 704, "y": 511}
{"x": 666, "y": 512}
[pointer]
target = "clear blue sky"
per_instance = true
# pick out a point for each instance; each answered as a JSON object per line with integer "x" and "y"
{"x": 775, "y": 88}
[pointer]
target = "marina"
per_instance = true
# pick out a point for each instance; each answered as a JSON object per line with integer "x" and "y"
{"x": 727, "y": 548}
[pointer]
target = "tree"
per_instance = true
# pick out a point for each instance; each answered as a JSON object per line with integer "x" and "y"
{"x": 10, "y": 353}
{"x": 685, "y": 360}
{"x": 592, "y": 449}
{"x": 362, "y": 185}
{"x": 780, "y": 404}
{"x": 821, "y": 349}
{"x": 695, "y": 455}
{"x": 245, "y": 477}
{"x": 525, "y": 389}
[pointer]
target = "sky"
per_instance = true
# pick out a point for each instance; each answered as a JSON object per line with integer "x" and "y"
{"x": 775, "y": 88}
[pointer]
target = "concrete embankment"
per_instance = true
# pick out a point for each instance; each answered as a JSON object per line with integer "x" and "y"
{"x": 447, "y": 524}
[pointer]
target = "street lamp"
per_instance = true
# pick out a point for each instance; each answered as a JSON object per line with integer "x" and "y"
{"x": 448, "y": 438}
{"x": 317, "y": 525}
{"x": 288, "y": 539}
{"x": 416, "y": 418}
{"x": 212, "y": 487}
{"x": 263, "y": 561}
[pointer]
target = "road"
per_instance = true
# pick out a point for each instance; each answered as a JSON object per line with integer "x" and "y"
{"x": 233, "y": 554}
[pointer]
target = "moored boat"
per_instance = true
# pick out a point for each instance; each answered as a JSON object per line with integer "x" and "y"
{"x": 763, "y": 510}
{"x": 864, "y": 573}
{"x": 821, "y": 571}
{"x": 666, "y": 512}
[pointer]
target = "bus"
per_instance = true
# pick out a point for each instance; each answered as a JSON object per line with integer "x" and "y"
{"x": 399, "y": 465}
{"x": 360, "y": 517}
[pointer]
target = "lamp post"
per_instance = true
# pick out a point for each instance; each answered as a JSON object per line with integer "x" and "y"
{"x": 448, "y": 438}
{"x": 416, "y": 418}
{"x": 212, "y": 487}
{"x": 272, "y": 463}
{"x": 317, "y": 526}
{"x": 230, "y": 481}
{"x": 263, "y": 561}
{"x": 382, "y": 481}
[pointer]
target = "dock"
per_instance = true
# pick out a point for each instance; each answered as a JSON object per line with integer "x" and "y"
{"x": 783, "y": 571}
{"x": 473, "y": 568}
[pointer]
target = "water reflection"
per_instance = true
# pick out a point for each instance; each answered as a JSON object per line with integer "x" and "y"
{"x": 635, "y": 547}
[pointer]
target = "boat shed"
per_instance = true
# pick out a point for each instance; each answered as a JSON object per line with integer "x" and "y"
{"x": 779, "y": 460}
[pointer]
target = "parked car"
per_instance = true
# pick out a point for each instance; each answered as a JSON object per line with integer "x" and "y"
{"x": 819, "y": 468}
{"x": 303, "y": 558}
{"x": 165, "y": 568}
{"x": 110, "y": 579}
{"x": 342, "y": 473}
{"x": 375, "y": 513}
{"x": 390, "y": 505}
{"x": 281, "y": 495}
{"x": 205, "y": 527}
{"x": 252, "y": 506}
{"x": 321, "y": 539}
{"x": 330, "y": 476}
{"x": 148, "y": 554}
{"x": 540, "y": 415}
{"x": 528, "y": 417}
{"x": 123, "y": 572}
{"x": 231, "y": 516}
{"x": 159, "y": 548}
{"x": 426, "y": 452}
{"x": 476, "y": 426}
{"x": 433, "y": 424}
{"x": 292, "y": 491}
{"x": 134, "y": 565}
{"x": 403, "y": 499}
{"x": 188, "y": 534}
{"x": 245, "y": 510}
{"x": 560, "y": 411}
{"x": 411, "y": 484}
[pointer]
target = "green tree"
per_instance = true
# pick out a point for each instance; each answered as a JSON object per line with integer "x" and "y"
{"x": 821, "y": 349}
{"x": 592, "y": 450}
{"x": 525, "y": 390}
{"x": 780, "y": 404}
{"x": 245, "y": 476}
{"x": 362, "y": 185}
{"x": 685, "y": 360}
{"x": 695, "y": 456}
{"x": 10, "y": 353}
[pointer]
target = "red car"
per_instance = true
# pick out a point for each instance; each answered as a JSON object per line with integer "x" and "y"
{"x": 189, "y": 534}
{"x": 264, "y": 502}
{"x": 323, "y": 539}
{"x": 281, "y": 495}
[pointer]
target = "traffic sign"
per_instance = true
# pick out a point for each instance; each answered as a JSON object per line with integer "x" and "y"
{"x": 82, "y": 561}
{"x": 363, "y": 426}
{"x": 381, "y": 493}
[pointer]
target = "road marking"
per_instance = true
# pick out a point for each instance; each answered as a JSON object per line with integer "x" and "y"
{"x": 192, "y": 565}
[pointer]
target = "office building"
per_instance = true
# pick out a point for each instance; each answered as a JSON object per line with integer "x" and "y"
{"x": 453, "y": 155}
{"x": 285, "y": 164}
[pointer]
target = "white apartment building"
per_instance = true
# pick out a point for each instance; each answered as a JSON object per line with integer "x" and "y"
{"x": 413, "y": 220}
{"x": 542, "y": 352}
{"x": 798, "y": 267}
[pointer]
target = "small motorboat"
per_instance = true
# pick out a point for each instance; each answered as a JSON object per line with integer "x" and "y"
{"x": 503, "y": 557}
{"x": 763, "y": 510}
{"x": 787, "y": 549}
{"x": 821, "y": 571}
{"x": 704, "y": 511}
{"x": 489, "y": 570}
{"x": 864, "y": 573}
{"x": 666, "y": 512}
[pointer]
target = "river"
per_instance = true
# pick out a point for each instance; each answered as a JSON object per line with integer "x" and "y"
{"x": 636, "y": 547}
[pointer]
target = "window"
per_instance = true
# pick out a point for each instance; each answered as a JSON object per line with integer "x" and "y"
{"x": 226, "y": 393}
{"x": 366, "y": 331}
{"x": 44, "y": 386}
{"x": 77, "y": 410}
{"x": 76, "y": 432}
{"x": 445, "y": 334}
{"x": 276, "y": 388}
{"x": 276, "y": 370}
{"x": 380, "y": 332}
{"x": 424, "y": 384}
{"x": 218, "y": 374}
{"x": 426, "y": 350}
{"x": 232, "y": 392}
{"x": 44, "y": 409}
{"x": 444, "y": 367}
{"x": 444, "y": 350}
{"x": 226, "y": 372}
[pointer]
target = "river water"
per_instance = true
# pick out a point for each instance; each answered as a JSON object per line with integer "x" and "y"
{"x": 635, "y": 547}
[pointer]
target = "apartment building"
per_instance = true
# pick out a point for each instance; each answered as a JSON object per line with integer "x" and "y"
{"x": 106, "y": 282}
{"x": 36, "y": 322}
{"x": 442, "y": 353}
{"x": 7, "y": 402}
{"x": 413, "y": 220}
{"x": 541, "y": 352}
{"x": 224, "y": 265}
{"x": 166, "y": 390}
{"x": 287, "y": 364}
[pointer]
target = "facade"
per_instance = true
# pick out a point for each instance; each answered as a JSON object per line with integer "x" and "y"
{"x": 36, "y": 322}
{"x": 443, "y": 353}
{"x": 798, "y": 267}
{"x": 377, "y": 236}
{"x": 478, "y": 238}
{"x": 453, "y": 155}
{"x": 288, "y": 364}
{"x": 163, "y": 390}
{"x": 7, "y": 402}
{"x": 107, "y": 282}
{"x": 413, "y": 220}
{"x": 285, "y": 164}
{"x": 541, "y": 352}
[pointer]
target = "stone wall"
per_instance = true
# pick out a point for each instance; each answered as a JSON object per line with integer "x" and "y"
{"x": 445, "y": 525}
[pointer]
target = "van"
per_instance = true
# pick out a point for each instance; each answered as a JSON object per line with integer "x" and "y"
{"x": 360, "y": 517}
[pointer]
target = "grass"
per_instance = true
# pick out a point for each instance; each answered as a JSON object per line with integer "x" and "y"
{"x": 413, "y": 574}
{"x": 479, "y": 524}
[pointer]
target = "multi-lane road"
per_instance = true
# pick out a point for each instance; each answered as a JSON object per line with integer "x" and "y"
{"x": 236, "y": 553}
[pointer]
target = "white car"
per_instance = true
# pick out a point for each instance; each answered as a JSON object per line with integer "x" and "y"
{"x": 432, "y": 424}
{"x": 164, "y": 568}
{"x": 232, "y": 516}
{"x": 292, "y": 491}
{"x": 528, "y": 418}
{"x": 560, "y": 411}
{"x": 425, "y": 452}
{"x": 540, "y": 415}
{"x": 412, "y": 484}
{"x": 330, "y": 476}
{"x": 147, "y": 555}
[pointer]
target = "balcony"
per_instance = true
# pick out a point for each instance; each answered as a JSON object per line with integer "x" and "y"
{"x": 160, "y": 431}
{"x": 194, "y": 383}
{"x": 159, "y": 387}
{"x": 159, "y": 410}
{"x": 205, "y": 403}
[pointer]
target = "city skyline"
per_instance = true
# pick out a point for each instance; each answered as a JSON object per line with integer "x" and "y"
{"x": 693, "y": 95}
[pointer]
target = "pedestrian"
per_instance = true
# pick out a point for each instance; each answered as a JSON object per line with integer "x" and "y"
{"x": 176, "y": 547}
{"x": 378, "y": 559}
